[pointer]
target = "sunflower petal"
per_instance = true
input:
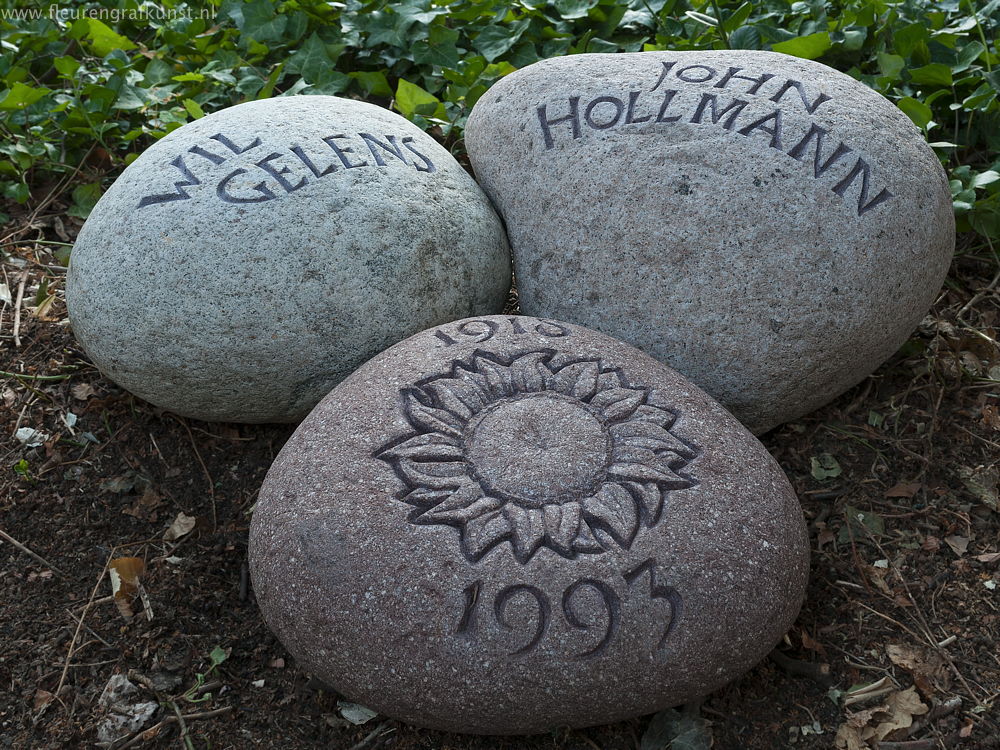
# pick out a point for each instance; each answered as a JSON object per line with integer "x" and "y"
{"x": 656, "y": 415}
{"x": 429, "y": 446}
{"x": 650, "y": 499}
{"x": 585, "y": 540}
{"x": 618, "y": 403}
{"x": 472, "y": 388}
{"x": 423, "y": 497}
{"x": 578, "y": 380}
{"x": 461, "y": 507}
{"x": 640, "y": 433}
{"x": 429, "y": 419}
{"x": 435, "y": 475}
{"x": 562, "y": 522}
{"x": 622, "y": 452}
{"x": 527, "y": 530}
{"x": 654, "y": 471}
{"x": 444, "y": 391}
{"x": 607, "y": 381}
{"x": 480, "y": 534}
{"x": 613, "y": 508}
{"x": 497, "y": 376}
{"x": 528, "y": 374}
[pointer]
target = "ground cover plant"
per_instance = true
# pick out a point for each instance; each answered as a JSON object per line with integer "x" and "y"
{"x": 897, "y": 646}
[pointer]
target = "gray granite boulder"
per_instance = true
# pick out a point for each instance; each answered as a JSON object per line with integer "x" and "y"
{"x": 505, "y": 524}
{"x": 768, "y": 226}
{"x": 247, "y": 262}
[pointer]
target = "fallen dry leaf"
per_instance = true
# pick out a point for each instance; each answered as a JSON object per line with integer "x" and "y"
{"x": 181, "y": 526}
{"x": 145, "y": 507}
{"x": 925, "y": 666}
{"x": 813, "y": 645}
{"x": 983, "y": 483}
{"x": 898, "y": 713}
{"x": 867, "y": 728}
{"x": 82, "y": 391}
{"x": 42, "y": 699}
{"x": 931, "y": 544}
{"x": 958, "y": 544}
{"x": 989, "y": 557}
{"x": 903, "y": 489}
{"x": 125, "y": 573}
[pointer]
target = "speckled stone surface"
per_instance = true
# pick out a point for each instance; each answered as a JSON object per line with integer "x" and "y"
{"x": 249, "y": 261}
{"x": 506, "y": 524}
{"x": 768, "y": 226}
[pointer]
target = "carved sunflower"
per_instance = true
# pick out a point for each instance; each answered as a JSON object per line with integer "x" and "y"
{"x": 573, "y": 458}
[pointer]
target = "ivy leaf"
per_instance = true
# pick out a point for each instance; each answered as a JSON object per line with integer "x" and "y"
{"x": 808, "y": 47}
{"x": 412, "y": 100}
{"x": 824, "y": 466}
{"x": 260, "y": 20}
{"x": 673, "y": 730}
{"x": 101, "y": 38}
{"x": 935, "y": 74}
{"x": 494, "y": 41}
{"x": 745, "y": 37}
{"x": 20, "y": 96}
{"x": 570, "y": 9}
{"x": 916, "y": 110}
{"x": 311, "y": 60}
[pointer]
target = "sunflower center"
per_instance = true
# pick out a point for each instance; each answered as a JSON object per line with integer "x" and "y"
{"x": 538, "y": 448}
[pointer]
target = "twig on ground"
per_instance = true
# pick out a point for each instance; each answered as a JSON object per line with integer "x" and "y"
{"x": 38, "y": 558}
{"x": 819, "y": 673}
{"x": 17, "y": 309}
{"x": 89, "y": 629}
{"x": 183, "y": 726}
{"x": 931, "y": 743}
{"x": 204, "y": 468}
{"x": 79, "y": 626}
{"x": 374, "y": 733}
{"x": 154, "y": 730}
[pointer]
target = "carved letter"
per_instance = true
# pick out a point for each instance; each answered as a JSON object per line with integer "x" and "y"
{"x": 181, "y": 194}
{"x": 612, "y": 609}
{"x": 658, "y": 591}
{"x": 617, "y": 103}
{"x": 663, "y": 74}
{"x": 214, "y": 158}
{"x": 668, "y": 96}
{"x": 297, "y": 150}
{"x": 573, "y": 118}
{"x": 757, "y": 82}
{"x": 544, "y": 609}
{"x": 428, "y": 164}
{"x": 862, "y": 168}
{"x": 774, "y": 132}
{"x": 279, "y": 174}
{"x": 709, "y": 74}
{"x": 710, "y": 100}
{"x": 391, "y": 147}
{"x": 798, "y": 151}
{"x": 633, "y": 97}
{"x": 810, "y": 107}
{"x": 222, "y": 190}
{"x": 232, "y": 146}
{"x": 342, "y": 151}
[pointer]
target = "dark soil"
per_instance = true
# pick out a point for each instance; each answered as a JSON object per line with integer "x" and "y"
{"x": 917, "y": 446}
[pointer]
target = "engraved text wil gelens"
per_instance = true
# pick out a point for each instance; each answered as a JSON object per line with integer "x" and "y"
{"x": 284, "y": 172}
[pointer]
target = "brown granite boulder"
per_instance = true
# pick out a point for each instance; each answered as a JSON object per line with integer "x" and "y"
{"x": 505, "y": 524}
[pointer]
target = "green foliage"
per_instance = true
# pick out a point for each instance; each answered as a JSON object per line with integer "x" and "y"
{"x": 88, "y": 91}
